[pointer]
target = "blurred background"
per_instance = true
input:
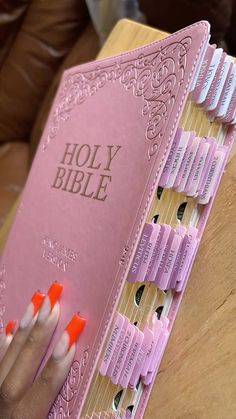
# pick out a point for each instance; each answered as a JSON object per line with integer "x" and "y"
{"x": 41, "y": 38}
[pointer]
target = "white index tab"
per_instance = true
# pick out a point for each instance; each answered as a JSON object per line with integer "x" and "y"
{"x": 210, "y": 74}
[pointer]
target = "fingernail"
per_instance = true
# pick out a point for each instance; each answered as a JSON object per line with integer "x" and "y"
{"x": 32, "y": 309}
{"x": 9, "y": 329}
{"x": 53, "y": 295}
{"x": 69, "y": 336}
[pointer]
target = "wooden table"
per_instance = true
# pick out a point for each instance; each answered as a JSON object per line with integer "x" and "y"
{"x": 197, "y": 378}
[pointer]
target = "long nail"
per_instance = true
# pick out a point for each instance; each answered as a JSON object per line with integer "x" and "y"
{"x": 9, "y": 329}
{"x": 32, "y": 309}
{"x": 53, "y": 295}
{"x": 69, "y": 336}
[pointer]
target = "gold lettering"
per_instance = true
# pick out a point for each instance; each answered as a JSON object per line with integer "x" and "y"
{"x": 110, "y": 156}
{"x": 76, "y": 181}
{"x": 68, "y": 153}
{"x": 102, "y": 186}
{"x": 96, "y": 147}
{"x": 86, "y": 157}
{"x": 59, "y": 178}
{"x": 70, "y": 171}
{"x": 83, "y": 193}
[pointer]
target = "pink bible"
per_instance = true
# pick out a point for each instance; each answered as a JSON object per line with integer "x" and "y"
{"x": 116, "y": 149}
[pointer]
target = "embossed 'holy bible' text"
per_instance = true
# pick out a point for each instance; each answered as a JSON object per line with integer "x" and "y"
{"x": 86, "y": 170}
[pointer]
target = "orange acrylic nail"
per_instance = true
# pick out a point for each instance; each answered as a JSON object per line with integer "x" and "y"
{"x": 37, "y": 300}
{"x": 9, "y": 327}
{"x": 54, "y": 292}
{"x": 74, "y": 328}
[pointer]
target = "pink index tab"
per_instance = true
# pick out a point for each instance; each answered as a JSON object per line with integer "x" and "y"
{"x": 170, "y": 260}
{"x": 194, "y": 166}
{"x": 117, "y": 347}
{"x": 163, "y": 326}
{"x": 170, "y": 159}
{"x": 128, "y": 338}
{"x": 112, "y": 342}
{"x": 164, "y": 259}
{"x": 181, "y": 230}
{"x": 220, "y": 83}
{"x": 215, "y": 82}
{"x": 147, "y": 340}
{"x": 159, "y": 250}
{"x": 159, "y": 232}
{"x": 148, "y": 252}
{"x": 159, "y": 352}
{"x": 156, "y": 334}
{"x": 213, "y": 145}
{"x": 213, "y": 175}
{"x": 210, "y": 75}
{"x": 189, "y": 244}
{"x": 191, "y": 136}
{"x": 189, "y": 163}
{"x": 203, "y": 72}
{"x": 192, "y": 253}
{"x": 178, "y": 157}
{"x": 199, "y": 169}
{"x": 140, "y": 252}
{"x": 131, "y": 359}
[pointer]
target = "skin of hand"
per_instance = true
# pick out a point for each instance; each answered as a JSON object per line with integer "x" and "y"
{"x": 22, "y": 396}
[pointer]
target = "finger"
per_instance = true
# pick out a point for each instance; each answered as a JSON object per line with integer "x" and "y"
{"x": 15, "y": 345}
{"x": 23, "y": 371}
{"x": 31, "y": 353}
{"x": 6, "y": 337}
{"x": 38, "y": 400}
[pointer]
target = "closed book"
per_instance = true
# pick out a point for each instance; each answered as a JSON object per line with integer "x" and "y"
{"x": 95, "y": 216}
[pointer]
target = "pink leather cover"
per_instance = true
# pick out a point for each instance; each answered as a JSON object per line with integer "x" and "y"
{"x": 119, "y": 117}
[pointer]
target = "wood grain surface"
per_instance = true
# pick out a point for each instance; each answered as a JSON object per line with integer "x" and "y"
{"x": 197, "y": 377}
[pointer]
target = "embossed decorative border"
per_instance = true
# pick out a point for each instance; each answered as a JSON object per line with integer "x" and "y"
{"x": 154, "y": 77}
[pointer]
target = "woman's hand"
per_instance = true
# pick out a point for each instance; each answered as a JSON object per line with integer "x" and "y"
{"x": 21, "y": 395}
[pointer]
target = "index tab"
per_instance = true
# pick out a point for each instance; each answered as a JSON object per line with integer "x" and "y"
{"x": 139, "y": 366}
{"x": 159, "y": 351}
{"x": 213, "y": 175}
{"x": 220, "y": 83}
{"x": 170, "y": 261}
{"x": 199, "y": 67}
{"x": 215, "y": 82}
{"x": 111, "y": 344}
{"x": 203, "y": 72}
{"x": 125, "y": 346}
{"x": 184, "y": 257}
{"x": 228, "y": 93}
{"x": 117, "y": 347}
{"x": 164, "y": 258}
{"x": 170, "y": 159}
{"x": 148, "y": 253}
{"x": 140, "y": 252}
{"x": 131, "y": 359}
{"x": 194, "y": 188}
{"x": 178, "y": 157}
{"x": 210, "y": 75}
{"x": 188, "y": 165}
{"x": 159, "y": 250}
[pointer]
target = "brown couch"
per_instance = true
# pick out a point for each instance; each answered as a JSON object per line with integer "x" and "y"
{"x": 38, "y": 39}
